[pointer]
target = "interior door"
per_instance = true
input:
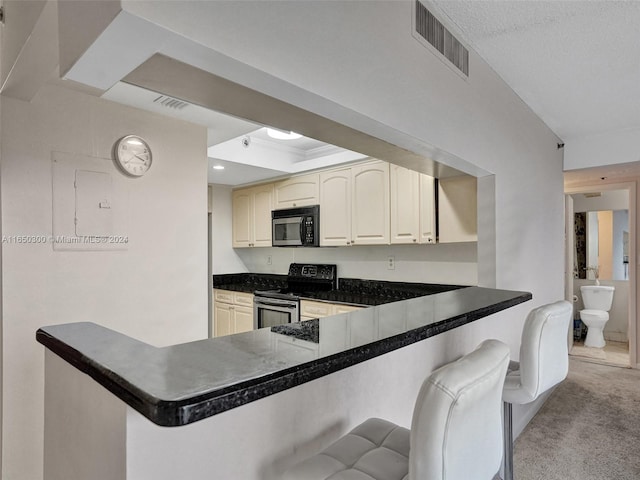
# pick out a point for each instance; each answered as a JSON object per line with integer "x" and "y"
{"x": 569, "y": 242}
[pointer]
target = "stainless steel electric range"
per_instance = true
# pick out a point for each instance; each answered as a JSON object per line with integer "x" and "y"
{"x": 277, "y": 307}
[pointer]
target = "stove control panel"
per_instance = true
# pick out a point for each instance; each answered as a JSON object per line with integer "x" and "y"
{"x": 301, "y": 271}
{"x": 309, "y": 271}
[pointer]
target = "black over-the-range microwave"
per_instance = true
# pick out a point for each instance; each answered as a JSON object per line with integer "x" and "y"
{"x": 296, "y": 227}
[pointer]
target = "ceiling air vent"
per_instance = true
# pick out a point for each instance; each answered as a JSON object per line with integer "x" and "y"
{"x": 171, "y": 102}
{"x": 434, "y": 32}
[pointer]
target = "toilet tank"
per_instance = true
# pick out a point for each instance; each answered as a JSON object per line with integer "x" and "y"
{"x": 597, "y": 297}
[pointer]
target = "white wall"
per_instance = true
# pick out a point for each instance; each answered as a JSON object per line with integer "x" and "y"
{"x": 1, "y": 299}
{"x": 225, "y": 259}
{"x": 16, "y": 32}
{"x": 609, "y": 200}
{"x": 449, "y": 264}
{"x": 155, "y": 291}
{"x": 622, "y": 146}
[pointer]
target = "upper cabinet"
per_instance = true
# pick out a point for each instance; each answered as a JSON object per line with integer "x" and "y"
{"x": 335, "y": 208}
{"x": 354, "y": 205}
{"x": 457, "y": 209}
{"x": 297, "y": 192}
{"x": 412, "y": 206}
{"x": 370, "y": 204}
{"x": 405, "y": 205}
{"x": 427, "y": 209}
{"x": 252, "y": 216}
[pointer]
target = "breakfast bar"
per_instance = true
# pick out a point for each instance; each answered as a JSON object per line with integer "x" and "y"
{"x": 261, "y": 383}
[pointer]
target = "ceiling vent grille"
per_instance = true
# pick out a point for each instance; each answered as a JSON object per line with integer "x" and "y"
{"x": 434, "y": 32}
{"x": 171, "y": 102}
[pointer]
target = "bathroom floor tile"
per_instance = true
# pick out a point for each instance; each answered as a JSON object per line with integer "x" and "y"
{"x": 613, "y": 353}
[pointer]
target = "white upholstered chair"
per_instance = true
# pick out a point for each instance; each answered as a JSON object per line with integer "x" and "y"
{"x": 455, "y": 432}
{"x": 544, "y": 362}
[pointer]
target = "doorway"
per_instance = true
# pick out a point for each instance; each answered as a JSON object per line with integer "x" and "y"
{"x": 600, "y": 249}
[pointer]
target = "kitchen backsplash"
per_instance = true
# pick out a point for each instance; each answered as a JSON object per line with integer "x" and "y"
{"x": 447, "y": 264}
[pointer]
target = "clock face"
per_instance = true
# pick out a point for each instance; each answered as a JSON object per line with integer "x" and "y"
{"x": 133, "y": 155}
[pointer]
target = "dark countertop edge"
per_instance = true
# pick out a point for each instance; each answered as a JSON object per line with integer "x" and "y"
{"x": 189, "y": 410}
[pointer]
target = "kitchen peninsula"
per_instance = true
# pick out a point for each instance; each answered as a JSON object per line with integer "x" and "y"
{"x": 208, "y": 388}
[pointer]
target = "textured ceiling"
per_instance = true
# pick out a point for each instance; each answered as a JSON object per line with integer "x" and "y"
{"x": 575, "y": 63}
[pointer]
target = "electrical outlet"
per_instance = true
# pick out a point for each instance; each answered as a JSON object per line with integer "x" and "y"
{"x": 391, "y": 262}
{"x": 269, "y": 260}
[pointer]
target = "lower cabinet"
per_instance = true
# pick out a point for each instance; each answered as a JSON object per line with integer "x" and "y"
{"x": 232, "y": 312}
{"x": 310, "y": 309}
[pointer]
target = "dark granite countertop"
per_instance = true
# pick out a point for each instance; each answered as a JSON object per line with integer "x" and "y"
{"x": 181, "y": 384}
{"x": 249, "y": 282}
{"x": 351, "y": 291}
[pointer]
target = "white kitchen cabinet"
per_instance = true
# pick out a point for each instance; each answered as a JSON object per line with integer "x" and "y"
{"x": 310, "y": 309}
{"x": 372, "y": 203}
{"x": 335, "y": 208}
{"x": 427, "y": 209}
{"x": 233, "y": 312}
{"x": 262, "y": 206}
{"x": 370, "y": 223}
{"x": 242, "y": 226}
{"x": 354, "y": 205}
{"x": 338, "y": 309}
{"x": 299, "y": 191}
{"x": 412, "y": 206}
{"x": 243, "y": 321}
{"x": 405, "y": 205}
{"x": 251, "y": 223}
{"x": 222, "y": 319}
{"x": 457, "y": 209}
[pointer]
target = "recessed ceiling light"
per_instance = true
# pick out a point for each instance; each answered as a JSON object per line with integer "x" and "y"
{"x": 218, "y": 167}
{"x": 280, "y": 135}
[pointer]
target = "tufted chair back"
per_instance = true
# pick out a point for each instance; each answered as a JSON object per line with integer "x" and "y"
{"x": 456, "y": 431}
{"x": 544, "y": 360}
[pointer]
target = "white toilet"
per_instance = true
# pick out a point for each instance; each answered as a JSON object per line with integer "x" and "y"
{"x": 597, "y": 303}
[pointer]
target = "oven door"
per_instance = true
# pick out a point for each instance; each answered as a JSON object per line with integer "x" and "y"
{"x": 287, "y": 231}
{"x": 268, "y": 312}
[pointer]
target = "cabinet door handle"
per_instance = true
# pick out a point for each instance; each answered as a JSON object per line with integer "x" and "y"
{"x": 415, "y": 240}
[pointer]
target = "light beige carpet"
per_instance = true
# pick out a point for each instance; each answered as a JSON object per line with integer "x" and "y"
{"x": 589, "y": 429}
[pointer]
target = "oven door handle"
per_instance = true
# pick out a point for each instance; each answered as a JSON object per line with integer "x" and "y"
{"x": 285, "y": 304}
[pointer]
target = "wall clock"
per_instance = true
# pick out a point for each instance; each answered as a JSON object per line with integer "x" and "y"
{"x": 132, "y": 155}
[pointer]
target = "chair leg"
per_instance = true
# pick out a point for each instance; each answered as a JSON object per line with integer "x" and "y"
{"x": 508, "y": 442}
